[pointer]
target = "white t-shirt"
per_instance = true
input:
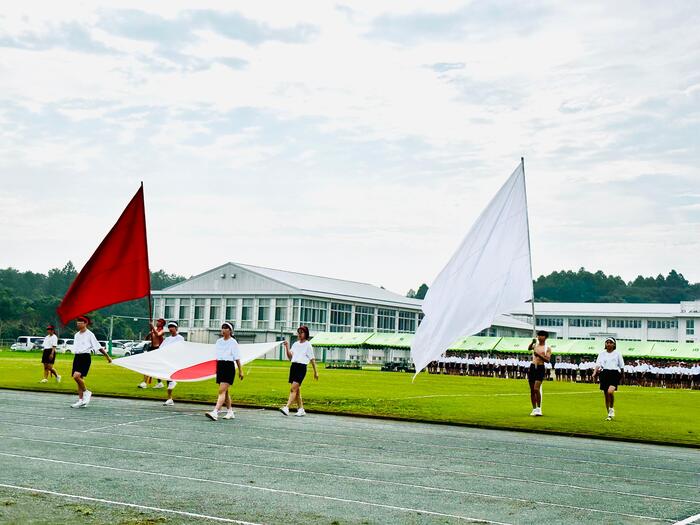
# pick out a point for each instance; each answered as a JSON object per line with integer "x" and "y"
{"x": 85, "y": 343}
{"x": 610, "y": 360}
{"x": 227, "y": 349}
{"x": 171, "y": 340}
{"x": 50, "y": 341}
{"x": 302, "y": 352}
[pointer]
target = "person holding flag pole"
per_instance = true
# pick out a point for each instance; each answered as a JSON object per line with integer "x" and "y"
{"x": 541, "y": 354}
{"x": 84, "y": 344}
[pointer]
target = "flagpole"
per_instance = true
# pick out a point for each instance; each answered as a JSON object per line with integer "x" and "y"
{"x": 150, "y": 298}
{"x": 529, "y": 247}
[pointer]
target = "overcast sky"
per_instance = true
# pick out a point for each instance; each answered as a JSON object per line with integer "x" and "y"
{"x": 354, "y": 140}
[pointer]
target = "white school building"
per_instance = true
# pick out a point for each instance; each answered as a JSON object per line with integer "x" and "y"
{"x": 676, "y": 322}
{"x": 266, "y": 304}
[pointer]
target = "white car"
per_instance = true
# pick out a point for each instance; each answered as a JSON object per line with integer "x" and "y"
{"x": 26, "y": 342}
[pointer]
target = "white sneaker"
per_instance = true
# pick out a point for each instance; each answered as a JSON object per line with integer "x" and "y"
{"x": 58, "y": 379}
{"x": 230, "y": 415}
{"x": 77, "y": 404}
{"x": 172, "y": 384}
{"x": 534, "y": 412}
{"x": 143, "y": 384}
{"x": 611, "y": 413}
{"x": 213, "y": 415}
{"x": 538, "y": 411}
{"x": 159, "y": 385}
{"x": 44, "y": 381}
{"x": 168, "y": 403}
{"x": 86, "y": 397}
{"x": 285, "y": 410}
{"x": 300, "y": 413}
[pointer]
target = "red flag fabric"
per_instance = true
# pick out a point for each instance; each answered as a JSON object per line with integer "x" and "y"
{"x": 117, "y": 271}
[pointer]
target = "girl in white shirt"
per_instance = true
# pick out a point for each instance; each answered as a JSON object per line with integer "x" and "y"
{"x": 228, "y": 358}
{"x": 610, "y": 367}
{"x": 48, "y": 357}
{"x": 300, "y": 355}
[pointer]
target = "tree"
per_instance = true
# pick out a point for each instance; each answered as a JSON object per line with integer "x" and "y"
{"x": 422, "y": 290}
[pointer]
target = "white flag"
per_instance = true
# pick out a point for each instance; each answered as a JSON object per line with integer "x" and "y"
{"x": 490, "y": 274}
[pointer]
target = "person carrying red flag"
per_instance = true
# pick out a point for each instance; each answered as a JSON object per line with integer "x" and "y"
{"x": 84, "y": 344}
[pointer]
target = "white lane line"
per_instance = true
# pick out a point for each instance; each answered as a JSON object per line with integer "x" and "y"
{"x": 129, "y": 423}
{"x": 688, "y": 521}
{"x": 415, "y": 428}
{"x": 279, "y": 491}
{"x": 354, "y": 478}
{"x": 125, "y": 504}
{"x": 376, "y": 463}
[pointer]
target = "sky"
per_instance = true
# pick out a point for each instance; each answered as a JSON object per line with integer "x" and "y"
{"x": 354, "y": 140}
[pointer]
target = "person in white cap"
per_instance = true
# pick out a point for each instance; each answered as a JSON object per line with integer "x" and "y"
{"x": 172, "y": 339}
{"x": 609, "y": 366}
{"x": 228, "y": 358}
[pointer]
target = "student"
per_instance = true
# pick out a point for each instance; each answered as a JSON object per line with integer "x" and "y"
{"x": 227, "y": 353}
{"x": 48, "y": 357}
{"x": 300, "y": 354}
{"x": 610, "y": 366}
{"x": 174, "y": 338}
{"x": 541, "y": 354}
{"x": 155, "y": 336}
{"x": 84, "y": 344}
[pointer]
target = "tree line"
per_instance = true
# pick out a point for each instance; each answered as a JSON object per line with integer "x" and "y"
{"x": 583, "y": 286}
{"x": 28, "y": 302}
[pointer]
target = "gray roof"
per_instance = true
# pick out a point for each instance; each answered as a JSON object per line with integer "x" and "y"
{"x": 314, "y": 284}
{"x": 604, "y": 309}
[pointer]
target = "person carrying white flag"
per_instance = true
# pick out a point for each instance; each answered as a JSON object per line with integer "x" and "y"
{"x": 490, "y": 274}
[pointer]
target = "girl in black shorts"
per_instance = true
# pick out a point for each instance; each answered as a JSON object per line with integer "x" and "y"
{"x": 609, "y": 366}
{"x": 301, "y": 354}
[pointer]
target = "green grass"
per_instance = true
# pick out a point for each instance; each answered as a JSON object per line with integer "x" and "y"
{"x": 651, "y": 414}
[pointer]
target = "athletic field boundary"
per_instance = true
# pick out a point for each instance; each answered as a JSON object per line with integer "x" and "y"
{"x": 390, "y": 418}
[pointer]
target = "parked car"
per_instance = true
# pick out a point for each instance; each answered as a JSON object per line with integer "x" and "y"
{"x": 67, "y": 346}
{"x": 138, "y": 348}
{"x": 27, "y": 342}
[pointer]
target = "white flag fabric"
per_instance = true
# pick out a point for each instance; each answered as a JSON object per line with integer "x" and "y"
{"x": 490, "y": 274}
{"x": 185, "y": 361}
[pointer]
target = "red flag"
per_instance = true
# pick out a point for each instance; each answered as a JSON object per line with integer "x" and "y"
{"x": 117, "y": 271}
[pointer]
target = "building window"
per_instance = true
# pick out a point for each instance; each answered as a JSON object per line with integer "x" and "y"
{"x": 263, "y": 314}
{"x": 247, "y": 314}
{"x": 295, "y": 312}
{"x": 231, "y": 310}
{"x": 407, "y": 322}
{"x": 624, "y": 323}
{"x": 281, "y": 314}
{"x": 386, "y": 320}
{"x": 662, "y": 324}
{"x": 690, "y": 327}
{"x": 169, "y": 310}
{"x": 157, "y": 302}
{"x": 198, "y": 313}
{"x": 549, "y": 321}
{"x": 215, "y": 313}
{"x": 341, "y": 317}
{"x": 585, "y": 322}
{"x": 184, "y": 317}
{"x": 314, "y": 314}
{"x": 364, "y": 319}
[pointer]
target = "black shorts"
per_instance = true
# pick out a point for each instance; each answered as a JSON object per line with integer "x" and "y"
{"x": 81, "y": 364}
{"x": 609, "y": 378}
{"x": 46, "y": 357}
{"x": 225, "y": 372}
{"x": 535, "y": 373}
{"x": 297, "y": 373}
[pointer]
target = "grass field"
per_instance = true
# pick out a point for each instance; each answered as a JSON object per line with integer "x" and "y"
{"x": 656, "y": 415}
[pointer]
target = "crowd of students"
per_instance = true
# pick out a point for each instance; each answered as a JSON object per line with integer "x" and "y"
{"x": 664, "y": 374}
